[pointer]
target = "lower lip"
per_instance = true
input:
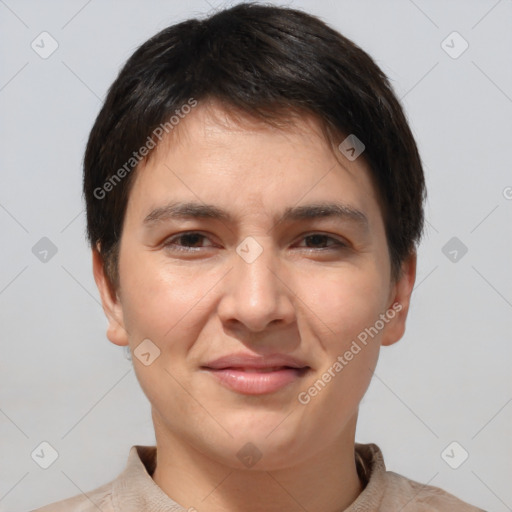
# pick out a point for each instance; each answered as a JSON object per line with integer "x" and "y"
{"x": 257, "y": 383}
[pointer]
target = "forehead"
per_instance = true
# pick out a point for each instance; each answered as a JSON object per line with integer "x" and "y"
{"x": 217, "y": 157}
{"x": 214, "y": 125}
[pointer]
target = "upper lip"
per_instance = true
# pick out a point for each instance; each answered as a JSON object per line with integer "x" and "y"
{"x": 241, "y": 360}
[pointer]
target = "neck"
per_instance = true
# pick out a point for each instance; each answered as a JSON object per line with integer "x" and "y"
{"x": 326, "y": 482}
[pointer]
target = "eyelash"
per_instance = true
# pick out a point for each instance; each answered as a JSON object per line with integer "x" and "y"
{"x": 172, "y": 246}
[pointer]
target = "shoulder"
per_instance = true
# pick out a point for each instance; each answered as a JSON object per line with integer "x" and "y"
{"x": 417, "y": 497}
{"x": 387, "y": 491}
{"x": 97, "y": 499}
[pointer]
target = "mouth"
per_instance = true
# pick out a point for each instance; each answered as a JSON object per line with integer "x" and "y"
{"x": 257, "y": 380}
{"x": 257, "y": 370}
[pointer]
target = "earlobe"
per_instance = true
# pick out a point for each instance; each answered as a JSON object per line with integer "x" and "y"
{"x": 400, "y": 299}
{"x": 112, "y": 308}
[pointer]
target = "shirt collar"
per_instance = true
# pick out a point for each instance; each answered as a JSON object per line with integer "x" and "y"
{"x": 135, "y": 491}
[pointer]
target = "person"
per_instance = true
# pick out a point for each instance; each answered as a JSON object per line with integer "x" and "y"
{"x": 254, "y": 205}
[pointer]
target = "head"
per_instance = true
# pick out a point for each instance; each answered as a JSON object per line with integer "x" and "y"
{"x": 295, "y": 244}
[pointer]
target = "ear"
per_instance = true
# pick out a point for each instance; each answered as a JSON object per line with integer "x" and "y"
{"x": 116, "y": 332}
{"x": 399, "y": 301}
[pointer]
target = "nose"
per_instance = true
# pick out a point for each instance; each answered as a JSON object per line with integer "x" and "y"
{"x": 257, "y": 292}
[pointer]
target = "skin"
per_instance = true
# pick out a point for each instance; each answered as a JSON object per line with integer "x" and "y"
{"x": 302, "y": 296}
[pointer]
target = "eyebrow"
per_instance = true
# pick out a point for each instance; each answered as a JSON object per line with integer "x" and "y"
{"x": 194, "y": 210}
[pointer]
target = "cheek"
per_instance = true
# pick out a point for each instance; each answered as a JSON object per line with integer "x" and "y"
{"x": 343, "y": 312}
{"x": 164, "y": 302}
{"x": 344, "y": 302}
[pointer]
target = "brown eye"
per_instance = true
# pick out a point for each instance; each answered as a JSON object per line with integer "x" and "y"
{"x": 185, "y": 241}
{"x": 320, "y": 239}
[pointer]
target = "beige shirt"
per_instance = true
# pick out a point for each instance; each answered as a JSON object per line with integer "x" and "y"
{"x": 135, "y": 491}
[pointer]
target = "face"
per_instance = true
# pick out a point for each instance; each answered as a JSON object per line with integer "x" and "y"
{"x": 262, "y": 318}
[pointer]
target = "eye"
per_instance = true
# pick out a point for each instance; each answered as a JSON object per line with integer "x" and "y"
{"x": 188, "y": 241}
{"x": 322, "y": 239}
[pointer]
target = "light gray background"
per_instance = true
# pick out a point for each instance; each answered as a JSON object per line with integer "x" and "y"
{"x": 448, "y": 379}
